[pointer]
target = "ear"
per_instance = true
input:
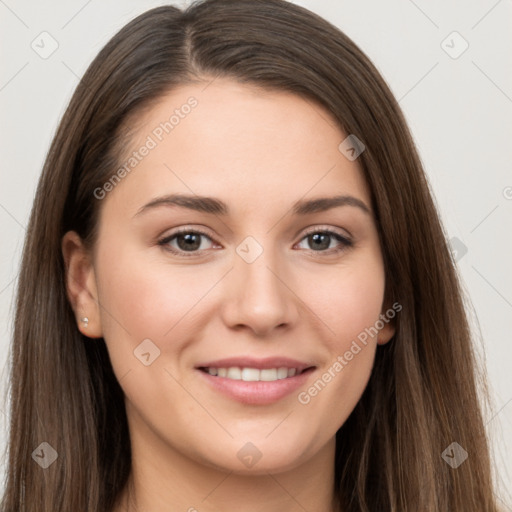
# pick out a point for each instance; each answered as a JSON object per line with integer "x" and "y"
{"x": 386, "y": 333}
{"x": 81, "y": 284}
{"x": 389, "y": 328}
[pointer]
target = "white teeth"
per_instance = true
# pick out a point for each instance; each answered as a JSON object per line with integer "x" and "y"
{"x": 234, "y": 373}
{"x": 253, "y": 374}
{"x": 268, "y": 374}
{"x": 282, "y": 373}
{"x": 250, "y": 374}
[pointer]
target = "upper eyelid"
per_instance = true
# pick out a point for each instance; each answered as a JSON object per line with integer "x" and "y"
{"x": 314, "y": 229}
{"x": 203, "y": 232}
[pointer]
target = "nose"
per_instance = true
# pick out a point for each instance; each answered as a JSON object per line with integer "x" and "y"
{"x": 260, "y": 296}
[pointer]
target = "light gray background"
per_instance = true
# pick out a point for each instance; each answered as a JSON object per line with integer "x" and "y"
{"x": 459, "y": 111}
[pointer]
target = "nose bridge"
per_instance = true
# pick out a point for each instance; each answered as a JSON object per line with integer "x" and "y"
{"x": 256, "y": 264}
{"x": 259, "y": 298}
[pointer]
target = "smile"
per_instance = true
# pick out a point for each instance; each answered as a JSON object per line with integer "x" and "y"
{"x": 253, "y": 374}
{"x": 255, "y": 386}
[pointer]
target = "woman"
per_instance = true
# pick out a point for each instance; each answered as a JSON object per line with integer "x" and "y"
{"x": 181, "y": 340}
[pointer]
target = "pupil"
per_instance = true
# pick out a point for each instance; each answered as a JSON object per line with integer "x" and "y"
{"x": 317, "y": 236}
{"x": 190, "y": 242}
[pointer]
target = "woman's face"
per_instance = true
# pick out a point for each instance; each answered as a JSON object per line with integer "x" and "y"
{"x": 247, "y": 285}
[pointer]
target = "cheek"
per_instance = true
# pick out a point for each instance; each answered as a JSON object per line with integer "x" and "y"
{"x": 141, "y": 298}
{"x": 348, "y": 300}
{"x": 349, "y": 305}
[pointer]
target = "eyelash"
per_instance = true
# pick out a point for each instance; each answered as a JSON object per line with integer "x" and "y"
{"x": 345, "y": 242}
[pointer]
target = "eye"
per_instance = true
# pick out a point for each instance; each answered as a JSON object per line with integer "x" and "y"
{"x": 321, "y": 240}
{"x": 188, "y": 241}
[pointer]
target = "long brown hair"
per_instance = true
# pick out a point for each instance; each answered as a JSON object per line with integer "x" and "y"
{"x": 424, "y": 392}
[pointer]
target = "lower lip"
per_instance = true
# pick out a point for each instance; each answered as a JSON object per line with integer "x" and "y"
{"x": 257, "y": 392}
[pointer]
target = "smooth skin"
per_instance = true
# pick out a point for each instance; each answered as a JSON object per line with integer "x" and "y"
{"x": 259, "y": 151}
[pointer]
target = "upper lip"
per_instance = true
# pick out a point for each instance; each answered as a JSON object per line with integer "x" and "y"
{"x": 250, "y": 362}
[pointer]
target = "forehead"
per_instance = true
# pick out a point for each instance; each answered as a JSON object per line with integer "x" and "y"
{"x": 252, "y": 147}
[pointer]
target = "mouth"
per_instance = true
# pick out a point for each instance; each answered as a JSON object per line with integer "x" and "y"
{"x": 255, "y": 382}
{"x": 248, "y": 374}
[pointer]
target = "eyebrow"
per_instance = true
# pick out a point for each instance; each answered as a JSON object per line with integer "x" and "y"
{"x": 217, "y": 207}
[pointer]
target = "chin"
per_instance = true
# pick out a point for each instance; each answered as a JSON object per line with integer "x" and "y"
{"x": 253, "y": 458}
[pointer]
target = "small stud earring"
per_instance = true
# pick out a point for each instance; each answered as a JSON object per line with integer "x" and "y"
{"x": 85, "y": 321}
